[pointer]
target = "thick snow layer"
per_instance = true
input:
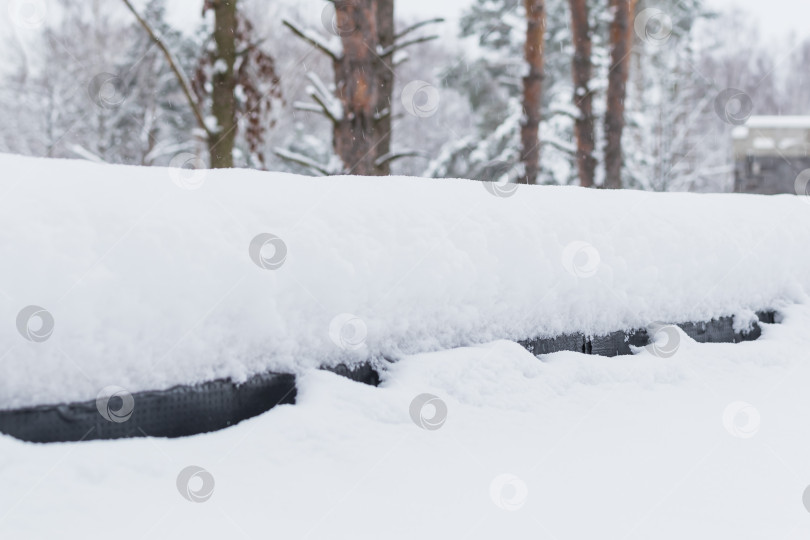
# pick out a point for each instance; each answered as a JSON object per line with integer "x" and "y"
{"x": 149, "y": 276}
{"x": 711, "y": 443}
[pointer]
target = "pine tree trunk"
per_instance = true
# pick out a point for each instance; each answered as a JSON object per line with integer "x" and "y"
{"x": 386, "y": 34}
{"x": 582, "y": 69}
{"x": 356, "y": 80}
{"x": 532, "y": 88}
{"x": 223, "y": 106}
{"x": 621, "y": 39}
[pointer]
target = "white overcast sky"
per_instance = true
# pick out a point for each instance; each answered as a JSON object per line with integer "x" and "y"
{"x": 777, "y": 17}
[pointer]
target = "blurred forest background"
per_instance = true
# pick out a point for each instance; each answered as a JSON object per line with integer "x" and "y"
{"x": 86, "y": 80}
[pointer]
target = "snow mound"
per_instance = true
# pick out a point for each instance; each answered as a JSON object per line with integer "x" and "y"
{"x": 151, "y": 277}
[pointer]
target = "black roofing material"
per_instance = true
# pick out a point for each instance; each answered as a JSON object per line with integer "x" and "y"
{"x": 566, "y": 342}
{"x": 189, "y": 410}
{"x": 176, "y": 412}
{"x": 364, "y": 372}
{"x": 719, "y": 330}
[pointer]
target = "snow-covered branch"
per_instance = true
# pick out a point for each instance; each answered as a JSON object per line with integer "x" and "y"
{"x": 84, "y": 153}
{"x": 319, "y": 92}
{"x": 301, "y": 159}
{"x": 325, "y": 102}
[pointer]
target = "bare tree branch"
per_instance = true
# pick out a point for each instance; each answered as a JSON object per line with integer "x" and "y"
{"x": 181, "y": 78}
{"x": 416, "y": 26}
{"x": 398, "y": 46}
{"x": 310, "y": 38}
{"x": 388, "y": 158}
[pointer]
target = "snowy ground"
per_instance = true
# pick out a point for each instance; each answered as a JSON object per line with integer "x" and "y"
{"x": 710, "y": 443}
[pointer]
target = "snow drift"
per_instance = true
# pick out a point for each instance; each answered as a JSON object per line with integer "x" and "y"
{"x": 155, "y": 277}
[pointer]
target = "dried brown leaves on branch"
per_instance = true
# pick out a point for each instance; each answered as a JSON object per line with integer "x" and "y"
{"x": 255, "y": 82}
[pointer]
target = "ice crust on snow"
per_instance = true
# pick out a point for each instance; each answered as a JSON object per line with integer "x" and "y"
{"x": 152, "y": 285}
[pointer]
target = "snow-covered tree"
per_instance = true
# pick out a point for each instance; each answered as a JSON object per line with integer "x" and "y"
{"x": 667, "y": 99}
{"x": 97, "y": 89}
{"x": 491, "y": 79}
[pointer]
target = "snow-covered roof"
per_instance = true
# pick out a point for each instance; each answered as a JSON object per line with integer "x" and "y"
{"x": 763, "y": 135}
{"x": 155, "y": 277}
{"x": 779, "y": 122}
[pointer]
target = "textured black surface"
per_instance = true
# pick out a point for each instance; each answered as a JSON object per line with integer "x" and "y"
{"x": 364, "y": 372}
{"x": 176, "y": 412}
{"x": 566, "y": 342}
{"x": 617, "y": 343}
{"x": 719, "y": 330}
